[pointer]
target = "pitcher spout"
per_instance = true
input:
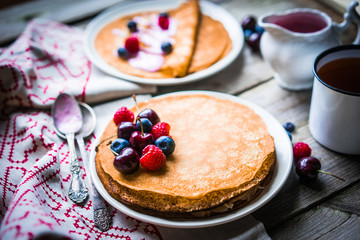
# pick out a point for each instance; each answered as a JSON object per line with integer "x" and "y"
{"x": 269, "y": 24}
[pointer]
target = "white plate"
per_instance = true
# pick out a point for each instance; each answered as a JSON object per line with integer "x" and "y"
{"x": 282, "y": 169}
{"x": 230, "y": 23}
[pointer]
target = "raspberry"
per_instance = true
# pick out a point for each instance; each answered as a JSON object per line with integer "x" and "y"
{"x": 301, "y": 150}
{"x": 152, "y": 158}
{"x": 132, "y": 45}
{"x": 123, "y": 115}
{"x": 163, "y": 22}
{"x": 160, "y": 129}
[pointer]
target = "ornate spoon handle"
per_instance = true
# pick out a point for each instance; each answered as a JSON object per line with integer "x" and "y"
{"x": 102, "y": 217}
{"x": 78, "y": 191}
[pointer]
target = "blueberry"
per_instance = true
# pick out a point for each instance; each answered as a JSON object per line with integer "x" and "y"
{"x": 119, "y": 144}
{"x": 247, "y": 33}
{"x": 163, "y": 14}
{"x": 289, "y": 126}
{"x": 132, "y": 26}
{"x": 147, "y": 125}
{"x": 259, "y": 29}
{"x": 122, "y": 52}
{"x": 166, "y": 47}
{"x": 166, "y": 144}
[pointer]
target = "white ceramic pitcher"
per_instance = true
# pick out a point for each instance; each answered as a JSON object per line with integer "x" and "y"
{"x": 294, "y": 38}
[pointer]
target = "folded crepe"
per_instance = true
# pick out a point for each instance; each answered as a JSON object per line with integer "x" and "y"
{"x": 198, "y": 41}
{"x": 212, "y": 44}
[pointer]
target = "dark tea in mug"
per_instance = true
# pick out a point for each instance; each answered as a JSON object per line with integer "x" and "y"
{"x": 342, "y": 73}
{"x": 339, "y": 69}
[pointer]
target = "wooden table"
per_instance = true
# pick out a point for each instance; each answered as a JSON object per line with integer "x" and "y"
{"x": 325, "y": 209}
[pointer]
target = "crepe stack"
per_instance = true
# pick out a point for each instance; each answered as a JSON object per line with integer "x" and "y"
{"x": 199, "y": 42}
{"x": 223, "y": 158}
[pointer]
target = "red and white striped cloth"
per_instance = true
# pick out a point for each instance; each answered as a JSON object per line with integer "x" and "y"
{"x": 46, "y": 60}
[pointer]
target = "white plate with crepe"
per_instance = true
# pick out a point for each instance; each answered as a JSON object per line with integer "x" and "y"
{"x": 218, "y": 13}
{"x": 283, "y": 165}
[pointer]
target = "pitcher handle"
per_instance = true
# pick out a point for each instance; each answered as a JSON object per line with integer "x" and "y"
{"x": 355, "y": 18}
{"x": 350, "y": 15}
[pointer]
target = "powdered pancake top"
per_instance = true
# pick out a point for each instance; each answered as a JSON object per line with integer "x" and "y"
{"x": 220, "y": 146}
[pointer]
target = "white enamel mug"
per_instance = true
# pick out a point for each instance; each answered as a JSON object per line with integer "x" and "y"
{"x": 334, "y": 119}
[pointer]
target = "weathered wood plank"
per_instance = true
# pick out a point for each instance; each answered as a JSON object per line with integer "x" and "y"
{"x": 347, "y": 201}
{"x": 337, "y": 218}
{"x": 348, "y": 230}
{"x": 318, "y": 222}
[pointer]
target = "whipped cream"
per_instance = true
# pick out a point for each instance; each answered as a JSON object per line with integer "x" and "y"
{"x": 151, "y": 36}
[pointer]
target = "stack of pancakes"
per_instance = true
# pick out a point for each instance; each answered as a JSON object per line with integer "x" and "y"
{"x": 199, "y": 42}
{"x": 223, "y": 158}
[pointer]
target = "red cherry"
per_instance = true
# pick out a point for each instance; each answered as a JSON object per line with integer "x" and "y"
{"x": 127, "y": 161}
{"x": 149, "y": 114}
{"x": 249, "y": 22}
{"x": 139, "y": 141}
{"x": 125, "y": 129}
{"x": 308, "y": 168}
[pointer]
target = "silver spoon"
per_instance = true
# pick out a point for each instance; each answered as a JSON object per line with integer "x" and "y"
{"x": 68, "y": 120}
{"x": 102, "y": 217}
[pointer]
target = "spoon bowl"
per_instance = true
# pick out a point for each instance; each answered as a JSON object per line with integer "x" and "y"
{"x": 89, "y": 122}
{"x": 67, "y": 114}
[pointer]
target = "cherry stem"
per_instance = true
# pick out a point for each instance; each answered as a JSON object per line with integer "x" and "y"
{"x": 97, "y": 146}
{"x": 115, "y": 153}
{"x": 333, "y": 175}
{"x": 136, "y": 105}
{"x": 141, "y": 126}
